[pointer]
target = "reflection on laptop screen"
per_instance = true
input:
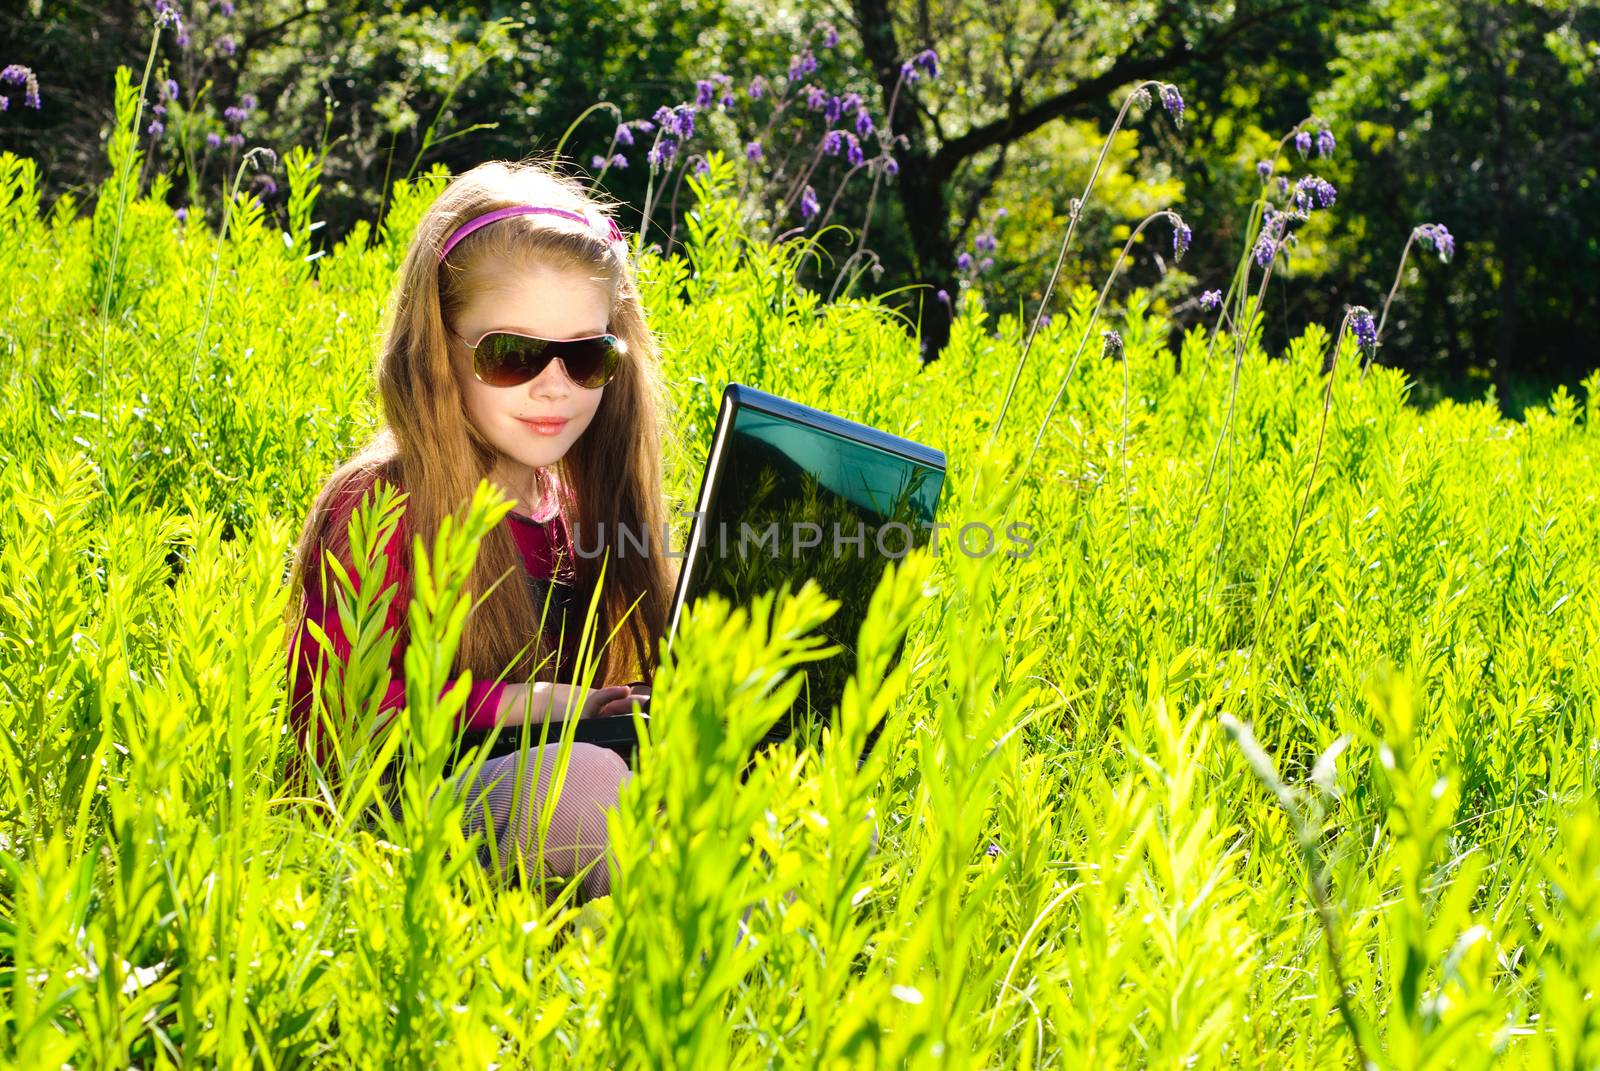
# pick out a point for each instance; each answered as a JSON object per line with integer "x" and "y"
{"x": 791, "y": 492}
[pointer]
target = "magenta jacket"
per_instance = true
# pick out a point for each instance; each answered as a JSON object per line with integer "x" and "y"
{"x": 543, "y": 543}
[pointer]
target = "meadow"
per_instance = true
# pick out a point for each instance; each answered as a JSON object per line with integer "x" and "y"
{"x": 1279, "y": 750}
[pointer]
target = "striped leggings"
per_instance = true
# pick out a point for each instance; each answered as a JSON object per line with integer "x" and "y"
{"x": 505, "y": 799}
{"x": 506, "y": 804}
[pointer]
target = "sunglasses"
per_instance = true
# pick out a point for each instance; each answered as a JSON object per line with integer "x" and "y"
{"x": 507, "y": 359}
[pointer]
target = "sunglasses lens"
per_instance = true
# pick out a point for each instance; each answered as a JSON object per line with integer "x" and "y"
{"x": 506, "y": 360}
{"x": 503, "y": 360}
{"x": 591, "y": 362}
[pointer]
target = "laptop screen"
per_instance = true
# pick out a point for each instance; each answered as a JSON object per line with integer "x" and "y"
{"x": 791, "y": 492}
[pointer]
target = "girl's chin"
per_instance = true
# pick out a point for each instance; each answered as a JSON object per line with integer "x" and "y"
{"x": 536, "y": 460}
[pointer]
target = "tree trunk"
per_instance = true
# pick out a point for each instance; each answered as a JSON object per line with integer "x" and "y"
{"x": 921, "y": 186}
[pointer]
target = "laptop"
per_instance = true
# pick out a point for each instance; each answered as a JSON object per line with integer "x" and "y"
{"x": 788, "y": 492}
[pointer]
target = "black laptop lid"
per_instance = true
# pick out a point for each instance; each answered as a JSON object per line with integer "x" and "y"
{"x": 791, "y": 492}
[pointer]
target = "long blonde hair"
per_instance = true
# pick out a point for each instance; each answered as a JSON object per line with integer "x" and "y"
{"x": 428, "y": 447}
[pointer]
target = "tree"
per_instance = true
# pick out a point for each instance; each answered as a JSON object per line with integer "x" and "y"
{"x": 1483, "y": 115}
{"x": 1048, "y": 63}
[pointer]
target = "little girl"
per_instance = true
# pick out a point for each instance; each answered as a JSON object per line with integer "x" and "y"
{"x": 515, "y": 349}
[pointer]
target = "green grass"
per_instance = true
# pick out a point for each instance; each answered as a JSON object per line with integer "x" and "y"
{"x": 1372, "y": 831}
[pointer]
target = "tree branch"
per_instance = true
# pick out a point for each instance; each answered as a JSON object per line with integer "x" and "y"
{"x": 1129, "y": 67}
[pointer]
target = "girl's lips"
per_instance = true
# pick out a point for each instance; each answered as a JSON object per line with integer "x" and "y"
{"x": 543, "y": 427}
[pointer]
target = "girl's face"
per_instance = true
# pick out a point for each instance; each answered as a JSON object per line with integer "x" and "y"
{"x": 549, "y": 303}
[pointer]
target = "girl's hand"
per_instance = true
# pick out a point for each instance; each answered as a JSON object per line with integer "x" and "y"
{"x": 599, "y": 702}
{"x": 638, "y": 692}
{"x": 555, "y": 702}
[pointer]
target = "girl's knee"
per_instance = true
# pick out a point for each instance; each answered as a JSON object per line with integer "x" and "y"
{"x": 601, "y": 766}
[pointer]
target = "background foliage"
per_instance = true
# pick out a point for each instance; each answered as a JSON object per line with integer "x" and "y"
{"x": 1137, "y": 805}
{"x": 1480, "y": 115}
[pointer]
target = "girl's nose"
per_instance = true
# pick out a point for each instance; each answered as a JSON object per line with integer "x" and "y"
{"x": 552, "y": 382}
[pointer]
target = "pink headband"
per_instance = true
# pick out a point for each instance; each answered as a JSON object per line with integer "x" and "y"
{"x": 614, "y": 233}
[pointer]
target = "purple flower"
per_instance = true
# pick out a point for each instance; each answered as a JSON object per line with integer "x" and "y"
{"x": 1044, "y": 320}
{"x": 801, "y": 65}
{"x": 1111, "y": 345}
{"x": 758, "y": 86}
{"x": 1264, "y": 169}
{"x": 663, "y": 116}
{"x": 1172, "y": 100}
{"x": 685, "y": 128}
{"x": 701, "y": 167}
{"x": 1181, "y": 235}
{"x": 815, "y": 98}
{"x": 268, "y": 185}
{"x": 808, "y": 204}
{"x": 620, "y": 162}
{"x": 854, "y": 154}
{"x": 1001, "y": 213}
{"x": 985, "y": 264}
{"x": 752, "y": 151}
{"x": 944, "y": 296}
{"x": 1435, "y": 236}
{"x": 726, "y": 101}
{"x": 623, "y": 136}
{"x": 992, "y": 850}
{"x": 704, "y": 91}
{"x": 159, "y": 109}
{"x": 1211, "y": 300}
{"x": 1283, "y": 185}
{"x": 183, "y": 37}
{"x": 851, "y": 101}
{"x": 1365, "y": 330}
{"x": 984, "y": 243}
{"x": 1265, "y": 248}
{"x": 596, "y": 163}
{"x": 830, "y": 37}
{"x": 167, "y": 15}
{"x": 832, "y": 142}
{"x": 1302, "y": 143}
{"x": 235, "y": 140}
{"x": 234, "y": 114}
{"x": 156, "y": 128}
{"x": 864, "y": 122}
{"x": 644, "y": 126}
{"x": 1312, "y": 192}
{"x": 213, "y": 140}
{"x": 834, "y": 108}
{"x": 891, "y": 167}
{"x": 908, "y": 72}
{"x": 928, "y": 60}
{"x": 18, "y": 75}
{"x": 248, "y": 102}
{"x": 227, "y": 7}
{"x": 181, "y": 214}
{"x": 964, "y": 262}
{"x": 169, "y": 89}
{"x": 1325, "y": 142}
